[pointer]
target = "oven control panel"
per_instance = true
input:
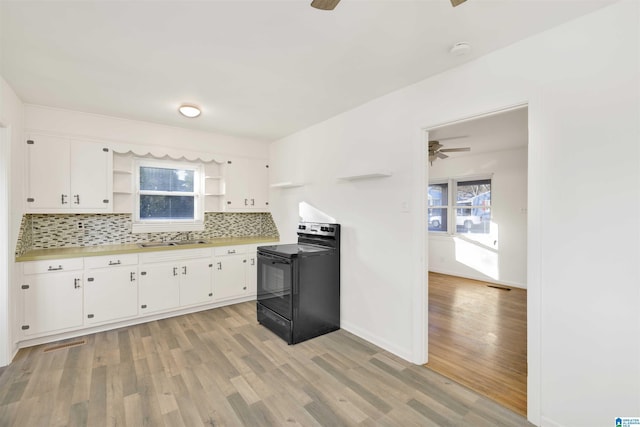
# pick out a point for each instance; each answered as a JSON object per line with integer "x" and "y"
{"x": 317, "y": 229}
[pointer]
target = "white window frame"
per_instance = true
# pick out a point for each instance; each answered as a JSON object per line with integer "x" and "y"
{"x": 452, "y": 202}
{"x": 447, "y": 206}
{"x": 169, "y": 225}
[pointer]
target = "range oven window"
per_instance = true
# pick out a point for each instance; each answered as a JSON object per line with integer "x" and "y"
{"x": 274, "y": 283}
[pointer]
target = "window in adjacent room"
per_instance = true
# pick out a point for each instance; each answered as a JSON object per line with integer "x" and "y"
{"x": 438, "y": 206}
{"x": 473, "y": 206}
{"x": 469, "y": 207}
{"x": 169, "y": 196}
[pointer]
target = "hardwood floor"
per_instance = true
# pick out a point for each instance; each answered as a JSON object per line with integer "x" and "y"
{"x": 478, "y": 337}
{"x": 221, "y": 368}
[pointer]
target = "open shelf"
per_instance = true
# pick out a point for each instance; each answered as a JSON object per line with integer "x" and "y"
{"x": 370, "y": 175}
{"x": 287, "y": 185}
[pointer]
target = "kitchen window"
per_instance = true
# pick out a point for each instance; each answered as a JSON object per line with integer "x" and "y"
{"x": 470, "y": 210}
{"x": 169, "y": 196}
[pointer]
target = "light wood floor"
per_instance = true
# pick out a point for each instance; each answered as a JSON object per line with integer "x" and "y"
{"x": 478, "y": 337}
{"x": 220, "y": 368}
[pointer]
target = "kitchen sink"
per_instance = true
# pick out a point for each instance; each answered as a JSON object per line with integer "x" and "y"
{"x": 189, "y": 242}
{"x": 156, "y": 244}
{"x": 172, "y": 243}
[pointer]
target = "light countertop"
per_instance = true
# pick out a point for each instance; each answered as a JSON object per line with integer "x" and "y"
{"x": 133, "y": 248}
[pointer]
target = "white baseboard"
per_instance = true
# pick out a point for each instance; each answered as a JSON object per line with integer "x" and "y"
{"x": 482, "y": 279}
{"x": 376, "y": 340}
{"x": 546, "y": 422}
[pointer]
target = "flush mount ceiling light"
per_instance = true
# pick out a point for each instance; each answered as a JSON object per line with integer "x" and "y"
{"x": 460, "y": 49}
{"x": 190, "y": 111}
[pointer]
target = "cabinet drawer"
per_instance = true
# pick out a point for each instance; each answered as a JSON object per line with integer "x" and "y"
{"x": 48, "y": 266}
{"x": 230, "y": 250}
{"x": 111, "y": 260}
{"x": 177, "y": 255}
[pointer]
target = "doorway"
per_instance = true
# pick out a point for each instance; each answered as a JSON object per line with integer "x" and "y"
{"x": 4, "y": 246}
{"x": 477, "y": 246}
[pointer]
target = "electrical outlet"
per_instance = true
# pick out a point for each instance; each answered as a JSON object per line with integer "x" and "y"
{"x": 80, "y": 225}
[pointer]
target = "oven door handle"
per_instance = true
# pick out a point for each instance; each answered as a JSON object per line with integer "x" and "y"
{"x": 272, "y": 259}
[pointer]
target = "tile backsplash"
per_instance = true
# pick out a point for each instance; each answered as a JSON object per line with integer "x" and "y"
{"x": 44, "y": 231}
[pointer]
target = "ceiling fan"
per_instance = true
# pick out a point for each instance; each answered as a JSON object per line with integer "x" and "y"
{"x": 331, "y": 4}
{"x": 436, "y": 150}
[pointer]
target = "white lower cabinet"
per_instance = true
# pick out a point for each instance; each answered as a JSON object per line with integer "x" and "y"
{"x": 158, "y": 287}
{"x": 171, "y": 279}
{"x": 66, "y": 295}
{"x": 195, "y": 282}
{"x": 252, "y": 270}
{"x": 111, "y": 288}
{"x": 229, "y": 273}
{"x": 52, "y": 296}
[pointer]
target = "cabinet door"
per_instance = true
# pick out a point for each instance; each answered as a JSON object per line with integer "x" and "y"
{"x": 229, "y": 277}
{"x": 89, "y": 176}
{"x": 52, "y": 302}
{"x": 195, "y": 282}
{"x": 235, "y": 185}
{"x": 48, "y": 173}
{"x": 252, "y": 273}
{"x": 258, "y": 185}
{"x": 159, "y": 288}
{"x": 111, "y": 294}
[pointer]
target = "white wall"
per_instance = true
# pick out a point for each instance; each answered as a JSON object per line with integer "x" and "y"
{"x": 500, "y": 256}
{"x": 581, "y": 83}
{"x": 11, "y": 191}
{"x": 94, "y": 126}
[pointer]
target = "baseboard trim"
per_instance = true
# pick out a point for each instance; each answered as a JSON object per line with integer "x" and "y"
{"x": 482, "y": 279}
{"x": 546, "y": 422}
{"x": 376, "y": 340}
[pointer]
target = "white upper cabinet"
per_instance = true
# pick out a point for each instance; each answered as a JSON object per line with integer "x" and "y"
{"x": 246, "y": 185}
{"x": 67, "y": 175}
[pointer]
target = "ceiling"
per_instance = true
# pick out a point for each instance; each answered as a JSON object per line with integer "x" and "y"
{"x": 261, "y": 69}
{"x": 494, "y": 132}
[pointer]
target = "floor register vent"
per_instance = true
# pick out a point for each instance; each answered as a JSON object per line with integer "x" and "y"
{"x": 64, "y": 345}
{"x": 503, "y": 288}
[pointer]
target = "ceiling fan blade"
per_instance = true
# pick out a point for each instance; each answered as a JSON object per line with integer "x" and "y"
{"x": 441, "y": 155}
{"x": 455, "y": 3}
{"x": 325, "y": 4}
{"x": 451, "y": 150}
{"x": 434, "y": 145}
